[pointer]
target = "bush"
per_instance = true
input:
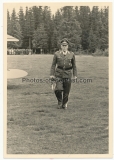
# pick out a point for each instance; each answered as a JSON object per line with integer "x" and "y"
{"x": 98, "y": 52}
{"x": 106, "y": 53}
{"x": 77, "y": 53}
{"x": 101, "y": 52}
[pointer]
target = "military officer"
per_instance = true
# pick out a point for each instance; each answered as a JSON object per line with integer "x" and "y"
{"x": 61, "y": 70}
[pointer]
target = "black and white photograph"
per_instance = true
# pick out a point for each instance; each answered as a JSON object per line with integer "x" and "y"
{"x": 58, "y": 80}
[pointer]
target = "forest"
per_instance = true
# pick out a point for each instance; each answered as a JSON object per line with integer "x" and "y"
{"x": 37, "y": 28}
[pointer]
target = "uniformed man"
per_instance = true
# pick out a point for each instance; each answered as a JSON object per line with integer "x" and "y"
{"x": 61, "y": 70}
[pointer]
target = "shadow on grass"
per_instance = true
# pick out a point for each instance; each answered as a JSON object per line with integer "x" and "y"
{"x": 14, "y": 86}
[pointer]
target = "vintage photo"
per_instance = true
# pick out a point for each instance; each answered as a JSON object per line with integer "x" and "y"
{"x": 57, "y": 80}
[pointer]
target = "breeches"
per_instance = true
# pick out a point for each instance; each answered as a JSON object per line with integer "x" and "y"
{"x": 63, "y": 86}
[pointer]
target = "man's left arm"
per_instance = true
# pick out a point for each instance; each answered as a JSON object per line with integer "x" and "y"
{"x": 74, "y": 66}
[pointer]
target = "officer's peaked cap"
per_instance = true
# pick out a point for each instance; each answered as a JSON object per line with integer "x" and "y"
{"x": 64, "y": 41}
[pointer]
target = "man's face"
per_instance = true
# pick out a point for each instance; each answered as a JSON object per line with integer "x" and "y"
{"x": 64, "y": 47}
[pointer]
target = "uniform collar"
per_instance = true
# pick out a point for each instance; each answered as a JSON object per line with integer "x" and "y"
{"x": 66, "y": 52}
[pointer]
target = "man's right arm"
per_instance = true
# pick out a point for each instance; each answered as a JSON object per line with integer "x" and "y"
{"x": 52, "y": 72}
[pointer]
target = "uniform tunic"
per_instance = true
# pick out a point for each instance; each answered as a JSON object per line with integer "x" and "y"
{"x": 65, "y": 62}
{"x": 61, "y": 68}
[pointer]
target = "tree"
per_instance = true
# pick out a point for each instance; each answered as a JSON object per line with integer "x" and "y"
{"x": 85, "y": 28}
{"x": 22, "y": 20}
{"x": 99, "y": 26}
{"x": 29, "y": 26}
{"x": 15, "y": 31}
{"x": 36, "y": 16}
{"x": 13, "y": 23}
{"x": 76, "y": 13}
{"x": 54, "y": 40}
{"x": 8, "y": 23}
{"x": 40, "y": 38}
{"x": 66, "y": 26}
{"x": 47, "y": 25}
{"x": 57, "y": 19}
{"x": 95, "y": 17}
{"x": 22, "y": 24}
{"x": 67, "y": 13}
{"x": 92, "y": 41}
{"x": 18, "y": 35}
{"x": 105, "y": 29}
{"x": 71, "y": 30}
{"x": 83, "y": 16}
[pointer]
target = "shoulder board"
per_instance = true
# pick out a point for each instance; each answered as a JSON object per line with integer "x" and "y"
{"x": 57, "y": 52}
{"x": 71, "y": 52}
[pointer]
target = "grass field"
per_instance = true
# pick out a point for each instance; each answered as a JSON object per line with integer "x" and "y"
{"x": 36, "y": 126}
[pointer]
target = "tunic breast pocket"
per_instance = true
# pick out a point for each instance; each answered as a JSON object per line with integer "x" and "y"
{"x": 59, "y": 60}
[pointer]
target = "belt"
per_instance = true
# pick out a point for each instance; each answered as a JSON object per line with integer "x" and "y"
{"x": 64, "y": 68}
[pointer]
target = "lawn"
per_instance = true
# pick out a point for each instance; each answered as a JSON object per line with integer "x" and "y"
{"x": 36, "y": 126}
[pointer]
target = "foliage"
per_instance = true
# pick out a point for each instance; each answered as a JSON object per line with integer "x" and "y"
{"x": 106, "y": 53}
{"x": 40, "y": 37}
{"x": 100, "y": 52}
{"x": 86, "y": 29}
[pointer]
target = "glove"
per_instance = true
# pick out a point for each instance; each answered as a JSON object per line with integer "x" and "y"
{"x": 74, "y": 77}
{"x": 53, "y": 84}
{"x": 52, "y": 78}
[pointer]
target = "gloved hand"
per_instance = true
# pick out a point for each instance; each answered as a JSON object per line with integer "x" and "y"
{"x": 74, "y": 77}
{"x": 53, "y": 84}
{"x": 52, "y": 77}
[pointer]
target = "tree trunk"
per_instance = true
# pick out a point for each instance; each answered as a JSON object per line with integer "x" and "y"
{"x": 29, "y": 42}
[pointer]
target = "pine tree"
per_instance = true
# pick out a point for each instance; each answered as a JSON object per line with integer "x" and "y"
{"x": 92, "y": 41}
{"x": 67, "y": 13}
{"x": 26, "y": 41}
{"x": 22, "y": 24}
{"x": 40, "y": 15}
{"x": 95, "y": 17}
{"x": 67, "y": 26}
{"x": 57, "y": 19}
{"x": 71, "y": 30}
{"x": 84, "y": 20}
{"x": 13, "y": 23}
{"x": 22, "y": 20}
{"x": 105, "y": 28}
{"x": 47, "y": 25}
{"x": 54, "y": 40}
{"x": 81, "y": 26}
{"x": 29, "y": 26}
{"x": 32, "y": 27}
{"x": 76, "y": 13}
{"x": 8, "y": 23}
{"x": 18, "y": 35}
{"x": 99, "y": 25}
{"x": 15, "y": 31}
{"x": 36, "y": 16}
{"x": 40, "y": 38}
